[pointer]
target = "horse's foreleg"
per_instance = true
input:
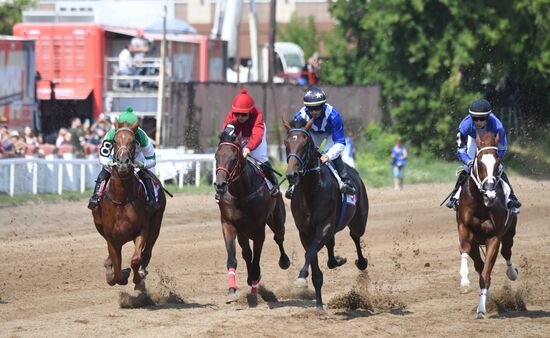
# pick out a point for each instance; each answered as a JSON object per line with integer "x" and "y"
{"x": 333, "y": 261}
{"x": 464, "y": 237}
{"x": 120, "y": 277}
{"x": 276, "y": 223}
{"x": 321, "y": 236}
{"x": 154, "y": 230}
{"x": 317, "y": 279}
{"x": 254, "y": 275}
{"x": 485, "y": 277}
{"x": 229, "y": 236}
{"x": 506, "y": 251}
{"x": 139, "y": 243}
{"x": 244, "y": 243}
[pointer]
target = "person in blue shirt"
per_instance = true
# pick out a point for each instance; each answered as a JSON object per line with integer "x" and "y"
{"x": 399, "y": 158}
{"x": 328, "y": 126}
{"x": 479, "y": 120}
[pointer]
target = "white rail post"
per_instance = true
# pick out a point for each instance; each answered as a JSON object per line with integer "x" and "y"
{"x": 12, "y": 179}
{"x": 35, "y": 178}
{"x": 82, "y": 177}
{"x": 198, "y": 173}
{"x": 213, "y": 171}
{"x": 180, "y": 175}
{"x": 60, "y": 178}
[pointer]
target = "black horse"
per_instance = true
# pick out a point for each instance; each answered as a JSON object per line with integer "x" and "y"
{"x": 246, "y": 205}
{"x": 317, "y": 206}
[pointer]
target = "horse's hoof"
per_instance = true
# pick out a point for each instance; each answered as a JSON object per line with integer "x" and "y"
{"x": 111, "y": 281}
{"x": 301, "y": 283}
{"x": 361, "y": 264}
{"x": 336, "y": 262}
{"x": 284, "y": 262}
{"x": 480, "y": 315}
{"x": 140, "y": 286}
{"x": 142, "y": 273}
{"x": 232, "y": 296}
{"x": 464, "y": 286}
{"x": 512, "y": 273}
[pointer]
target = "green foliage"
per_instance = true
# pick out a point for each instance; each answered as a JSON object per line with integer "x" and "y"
{"x": 11, "y": 13}
{"x": 301, "y": 31}
{"x": 433, "y": 57}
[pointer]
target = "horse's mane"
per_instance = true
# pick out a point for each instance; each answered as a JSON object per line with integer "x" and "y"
{"x": 488, "y": 139}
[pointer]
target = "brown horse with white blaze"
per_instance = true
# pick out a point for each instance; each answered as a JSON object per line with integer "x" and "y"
{"x": 483, "y": 219}
{"x": 122, "y": 217}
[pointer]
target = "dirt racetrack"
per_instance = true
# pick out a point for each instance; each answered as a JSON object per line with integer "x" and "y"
{"x": 52, "y": 280}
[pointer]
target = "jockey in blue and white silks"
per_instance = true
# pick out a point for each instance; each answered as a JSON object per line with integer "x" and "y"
{"x": 328, "y": 126}
{"x": 480, "y": 120}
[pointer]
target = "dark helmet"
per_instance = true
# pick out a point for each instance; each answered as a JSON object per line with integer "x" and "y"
{"x": 480, "y": 108}
{"x": 314, "y": 97}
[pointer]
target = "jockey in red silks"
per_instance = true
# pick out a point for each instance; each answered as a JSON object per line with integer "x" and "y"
{"x": 248, "y": 122}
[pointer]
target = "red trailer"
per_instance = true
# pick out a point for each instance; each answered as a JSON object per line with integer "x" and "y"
{"x": 17, "y": 76}
{"x": 72, "y": 60}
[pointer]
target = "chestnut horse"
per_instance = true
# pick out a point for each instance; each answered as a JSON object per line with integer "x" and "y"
{"x": 318, "y": 209}
{"x": 246, "y": 205}
{"x": 483, "y": 219}
{"x": 122, "y": 216}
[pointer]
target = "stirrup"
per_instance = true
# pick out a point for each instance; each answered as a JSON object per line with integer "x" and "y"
{"x": 289, "y": 192}
{"x": 93, "y": 202}
{"x": 513, "y": 204}
{"x": 452, "y": 203}
{"x": 348, "y": 189}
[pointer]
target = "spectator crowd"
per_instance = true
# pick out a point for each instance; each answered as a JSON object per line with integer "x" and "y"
{"x": 80, "y": 139}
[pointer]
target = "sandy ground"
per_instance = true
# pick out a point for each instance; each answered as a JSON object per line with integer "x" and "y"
{"x": 52, "y": 280}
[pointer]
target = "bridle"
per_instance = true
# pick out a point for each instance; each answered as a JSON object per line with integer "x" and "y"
{"x": 120, "y": 149}
{"x": 236, "y": 170}
{"x": 475, "y": 172}
{"x": 307, "y": 158}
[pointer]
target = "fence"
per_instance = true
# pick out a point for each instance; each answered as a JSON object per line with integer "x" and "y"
{"x": 54, "y": 175}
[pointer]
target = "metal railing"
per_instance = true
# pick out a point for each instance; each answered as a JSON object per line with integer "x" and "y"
{"x": 38, "y": 175}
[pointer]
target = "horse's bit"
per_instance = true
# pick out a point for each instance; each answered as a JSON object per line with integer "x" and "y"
{"x": 303, "y": 162}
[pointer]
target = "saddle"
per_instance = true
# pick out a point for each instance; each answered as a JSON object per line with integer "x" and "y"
{"x": 104, "y": 190}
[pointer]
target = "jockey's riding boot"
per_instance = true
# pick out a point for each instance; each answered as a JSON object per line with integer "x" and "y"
{"x": 348, "y": 187}
{"x": 270, "y": 175}
{"x": 151, "y": 203}
{"x": 514, "y": 202}
{"x": 452, "y": 203}
{"x": 289, "y": 192}
{"x": 94, "y": 200}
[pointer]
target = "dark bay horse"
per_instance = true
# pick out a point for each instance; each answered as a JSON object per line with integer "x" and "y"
{"x": 246, "y": 205}
{"x": 483, "y": 219}
{"x": 318, "y": 209}
{"x": 122, "y": 216}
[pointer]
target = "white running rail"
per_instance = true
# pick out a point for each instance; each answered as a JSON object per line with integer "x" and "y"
{"x": 55, "y": 175}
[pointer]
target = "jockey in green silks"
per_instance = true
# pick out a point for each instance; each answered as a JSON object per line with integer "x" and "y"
{"x": 144, "y": 159}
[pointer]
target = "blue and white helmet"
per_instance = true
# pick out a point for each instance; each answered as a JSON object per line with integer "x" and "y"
{"x": 314, "y": 97}
{"x": 480, "y": 108}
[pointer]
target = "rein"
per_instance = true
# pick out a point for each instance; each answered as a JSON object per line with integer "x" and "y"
{"x": 475, "y": 173}
{"x": 304, "y": 162}
{"x": 233, "y": 174}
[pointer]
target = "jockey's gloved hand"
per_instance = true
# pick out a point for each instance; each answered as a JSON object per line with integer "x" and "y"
{"x": 111, "y": 163}
{"x": 139, "y": 164}
{"x": 468, "y": 166}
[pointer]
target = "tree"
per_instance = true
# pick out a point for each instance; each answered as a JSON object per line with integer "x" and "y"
{"x": 302, "y": 32}
{"x": 11, "y": 13}
{"x": 432, "y": 57}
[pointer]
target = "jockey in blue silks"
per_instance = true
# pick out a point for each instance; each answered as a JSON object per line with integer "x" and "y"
{"x": 480, "y": 120}
{"x": 328, "y": 126}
